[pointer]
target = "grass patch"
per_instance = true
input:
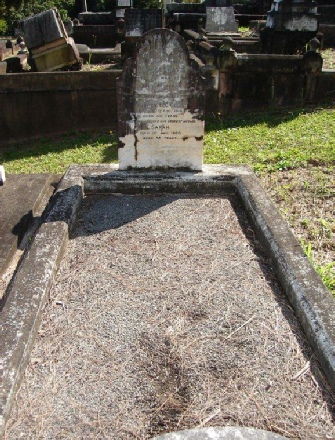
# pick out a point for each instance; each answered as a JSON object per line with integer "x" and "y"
{"x": 55, "y": 155}
{"x": 273, "y": 141}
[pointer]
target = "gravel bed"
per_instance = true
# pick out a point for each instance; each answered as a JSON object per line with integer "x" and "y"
{"x": 165, "y": 315}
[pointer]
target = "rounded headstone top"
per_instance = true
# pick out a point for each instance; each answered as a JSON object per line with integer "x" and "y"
{"x": 227, "y": 433}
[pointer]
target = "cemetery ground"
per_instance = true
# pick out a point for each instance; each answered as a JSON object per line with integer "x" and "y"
{"x": 292, "y": 152}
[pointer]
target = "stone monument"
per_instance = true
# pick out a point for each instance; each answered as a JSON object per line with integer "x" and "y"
{"x": 221, "y": 19}
{"x": 160, "y": 105}
{"x": 290, "y": 25}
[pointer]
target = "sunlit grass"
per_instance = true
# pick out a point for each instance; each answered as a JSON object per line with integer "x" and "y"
{"x": 273, "y": 141}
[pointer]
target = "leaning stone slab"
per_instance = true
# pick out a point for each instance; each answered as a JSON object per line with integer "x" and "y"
{"x": 227, "y": 433}
{"x": 161, "y": 105}
{"x": 43, "y": 28}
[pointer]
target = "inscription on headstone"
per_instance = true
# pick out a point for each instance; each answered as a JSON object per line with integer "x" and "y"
{"x": 139, "y": 21}
{"x": 161, "y": 105}
{"x": 221, "y": 19}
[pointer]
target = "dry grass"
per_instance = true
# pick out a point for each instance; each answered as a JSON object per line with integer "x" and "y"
{"x": 166, "y": 315}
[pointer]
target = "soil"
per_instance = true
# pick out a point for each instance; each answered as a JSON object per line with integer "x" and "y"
{"x": 165, "y": 315}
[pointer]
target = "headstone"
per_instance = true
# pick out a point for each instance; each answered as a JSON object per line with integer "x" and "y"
{"x": 139, "y": 21}
{"x": 160, "y": 105}
{"x": 221, "y": 19}
{"x": 2, "y": 175}
{"x": 43, "y": 28}
{"x": 293, "y": 15}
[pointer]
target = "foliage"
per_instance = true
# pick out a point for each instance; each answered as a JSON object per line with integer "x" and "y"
{"x": 3, "y": 27}
{"x": 14, "y": 11}
{"x": 326, "y": 271}
{"x": 55, "y": 155}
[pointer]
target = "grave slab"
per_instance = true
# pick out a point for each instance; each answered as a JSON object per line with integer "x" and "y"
{"x": 22, "y": 198}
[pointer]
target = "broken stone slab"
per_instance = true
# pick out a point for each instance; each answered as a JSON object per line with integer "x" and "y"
{"x": 161, "y": 108}
{"x": 217, "y": 433}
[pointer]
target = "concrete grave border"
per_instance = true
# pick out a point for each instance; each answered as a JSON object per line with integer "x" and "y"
{"x": 21, "y": 313}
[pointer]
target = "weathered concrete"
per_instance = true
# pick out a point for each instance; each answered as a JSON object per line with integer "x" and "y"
{"x": 22, "y": 198}
{"x": 227, "y": 433}
{"x": 20, "y": 315}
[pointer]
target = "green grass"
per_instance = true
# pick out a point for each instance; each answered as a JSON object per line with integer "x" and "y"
{"x": 326, "y": 271}
{"x": 273, "y": 141}
{"x": 266, "y": 142}
{"x": 55, "y": 155}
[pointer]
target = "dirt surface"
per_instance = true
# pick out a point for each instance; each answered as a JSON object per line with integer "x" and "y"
{"x": 165, "y": 315}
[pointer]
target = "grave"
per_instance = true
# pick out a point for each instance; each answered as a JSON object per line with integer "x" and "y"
{"x": 143, "y": 266}
{"x": 96, "y": 29}
{"x": 181, "y": 16}
{"x": 289, "y": 26}
{"x": 220, "y": 19}
{"x": 160, "y": 105}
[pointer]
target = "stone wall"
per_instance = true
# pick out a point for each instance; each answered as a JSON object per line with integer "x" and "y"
{"x": 250, "y": 82}
{"x": 44, "y": 104}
